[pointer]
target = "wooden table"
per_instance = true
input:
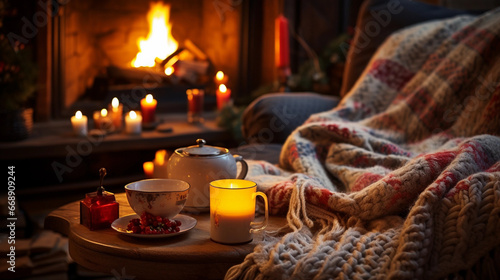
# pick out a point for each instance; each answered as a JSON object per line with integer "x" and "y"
{"x": 187, "y": 256}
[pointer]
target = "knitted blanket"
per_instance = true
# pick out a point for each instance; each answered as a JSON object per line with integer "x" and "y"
{"x": 402, "y": 179}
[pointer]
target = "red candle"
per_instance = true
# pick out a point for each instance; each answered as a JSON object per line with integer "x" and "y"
{"x": 223, "y": 96}
{"x": 281, "y": 42}
{"x": 148, "y": 109}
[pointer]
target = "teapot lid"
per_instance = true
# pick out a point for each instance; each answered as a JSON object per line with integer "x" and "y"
{"x": 202, "y": 150}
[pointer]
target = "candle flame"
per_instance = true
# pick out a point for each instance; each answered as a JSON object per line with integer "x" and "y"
{"x": 160, "y": 156}
{"x": 148, "y": 167}
{"x": 149, "y": 98}
{"x": 115, "y": 103}
{"x": 219, "y": 76}
{"x": 78, "y": 114}
{"x": 133, "y": 115}
{"x": 169, "y": 70}
{"x": 104, "y": 112}
{"x": 160, "y": 42}
{"x": 222, "y": 88}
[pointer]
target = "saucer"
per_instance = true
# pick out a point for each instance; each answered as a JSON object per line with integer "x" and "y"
{"x": 120, "y": 225}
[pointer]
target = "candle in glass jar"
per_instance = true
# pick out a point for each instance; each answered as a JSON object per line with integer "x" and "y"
{"x": 116, "y": 113}
{"x": 148, "y": 109}
{"x": 133, "y": 123}
{"x": 223, "y": 95}
{"x": 79, "y": 123}
{"x": 102, "y": 120}
{"x": 195, "y": 105}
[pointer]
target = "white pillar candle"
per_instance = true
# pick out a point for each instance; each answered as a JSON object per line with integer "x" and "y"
{"x": 133, "y": 123}
{"x": 79, "y": 123}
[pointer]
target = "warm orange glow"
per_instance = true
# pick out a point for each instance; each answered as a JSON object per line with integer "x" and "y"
{"x": 169, "y": 71}
{"x": 78, "y": 114}
{"x": 148, "y": 168}
{"x": 237, "y": 195}
{"x": 149, "y": 98}
{"x": 132, "y": 115}
{"x": 160, "y": 157}
{"x": 219, "y": 76}
{"x": 115, "y": 103}
{"x": 159, "y": 43}
{"x": 104, "y": 113}
{"x": 222, "y": 88}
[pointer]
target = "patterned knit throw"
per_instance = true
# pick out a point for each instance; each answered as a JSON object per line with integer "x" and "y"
{"x": 402, "y": 179}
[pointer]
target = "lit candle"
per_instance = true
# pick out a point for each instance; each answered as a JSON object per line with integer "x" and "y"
{"x": 195, "y": 104}
{"x": 281, "y": 43}
{"x": 223, "y": 96}
{"x": 148, "y": 168}
{"x": 169, "y": 70}
{"x": 102, "y": 120}
{"x": 220, "y": 78}
{"x": 232, "y": 210}
{"x": 79, "y": 123}
{"x": 133, "y": 123}
{"x": 116, "y": 113}
{"x": 160, "y": 166}
{"x": 148, "y": 109}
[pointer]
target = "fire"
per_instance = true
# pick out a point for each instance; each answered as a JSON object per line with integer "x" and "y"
{"x": 160, "y": 42}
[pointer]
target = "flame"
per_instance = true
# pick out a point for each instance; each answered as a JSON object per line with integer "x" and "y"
{"x": 160, "y": 42}
{"x": 78, "y": 114}
{"x": 222, "y": 88}
{"x": 104, "y": 112}
{"x": 115, "y": 103}
{"x": 219, "y": 76}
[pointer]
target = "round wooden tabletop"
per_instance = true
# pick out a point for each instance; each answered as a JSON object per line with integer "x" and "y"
{"x": 191, "y": 255}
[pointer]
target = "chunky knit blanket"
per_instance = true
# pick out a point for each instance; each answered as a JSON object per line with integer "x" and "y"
{"x": 402, "y": 179}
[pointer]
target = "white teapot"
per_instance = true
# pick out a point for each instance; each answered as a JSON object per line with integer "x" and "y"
{"x": 199, "y": 165}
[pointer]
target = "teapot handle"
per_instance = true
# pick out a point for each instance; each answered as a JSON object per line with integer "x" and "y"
{"x": 244, "y": 166}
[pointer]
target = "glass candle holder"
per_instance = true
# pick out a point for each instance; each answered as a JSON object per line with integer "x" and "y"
{"x": 195, "y": 105}
{"x": 232, "y": 211}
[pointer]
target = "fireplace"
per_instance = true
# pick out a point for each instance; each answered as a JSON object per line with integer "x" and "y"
{"x": 85, "y": 48}
{"x": 96, "y": 41}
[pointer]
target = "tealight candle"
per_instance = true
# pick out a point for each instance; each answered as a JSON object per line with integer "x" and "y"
{"x": 148, "y": 109}
{"x": 160, "y": 166}
{"x": 102, "y": 120}
{"x": 223, "y": 95}
{"x": 133, "y": 123}
{"x": 148, "y": 168}
{"x": 116, "y": 113}
{"x": 79, "y": 123}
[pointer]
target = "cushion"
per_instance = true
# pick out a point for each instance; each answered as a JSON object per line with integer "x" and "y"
{"x": 272, "y": 117}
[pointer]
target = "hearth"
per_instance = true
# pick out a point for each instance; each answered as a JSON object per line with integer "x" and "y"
{"x": 85, "y": 49}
